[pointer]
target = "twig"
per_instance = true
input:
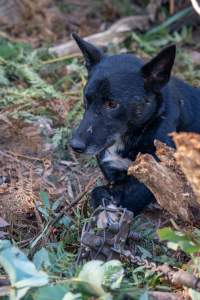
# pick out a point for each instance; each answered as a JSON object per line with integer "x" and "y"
{"x": 26, "y": 156}
{"x": 117, "y": 32}
{"x": 76, "y": 201}
{"x": 180, "y": 277}
{"x": 164, "y": 296}
{"x": 171, "y": 7}
{"x": 167, "y": 182}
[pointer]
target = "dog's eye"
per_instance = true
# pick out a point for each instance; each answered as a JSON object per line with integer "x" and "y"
{"x": 110, "y": 104}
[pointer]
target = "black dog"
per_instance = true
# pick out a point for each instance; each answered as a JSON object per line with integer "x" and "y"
{"x": 129, "y": 104}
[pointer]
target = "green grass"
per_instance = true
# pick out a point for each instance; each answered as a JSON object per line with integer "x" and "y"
{"x": 28, "y": 76}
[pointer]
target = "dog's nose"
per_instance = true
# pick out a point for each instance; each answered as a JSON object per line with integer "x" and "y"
{"x": 77, "y": 145}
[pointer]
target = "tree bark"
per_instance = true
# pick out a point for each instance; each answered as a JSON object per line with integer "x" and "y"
{"x": 167, "y": 182}
{"x": 188, "y": 157}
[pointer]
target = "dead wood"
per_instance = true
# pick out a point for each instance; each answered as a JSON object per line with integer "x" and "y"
{"x": 180, "y": 277}
{"x": 164, "y": 296}
{"x": 167, "y": 182}
{"x": 116, "y": 34}
{"x": 75, "y": 201}
{"x": 188, "y": 157}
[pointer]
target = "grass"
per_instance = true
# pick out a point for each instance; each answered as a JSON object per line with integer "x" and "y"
{"x": 29, "y": 80}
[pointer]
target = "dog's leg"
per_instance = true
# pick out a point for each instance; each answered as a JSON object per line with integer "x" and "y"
{"x": 101, "y": 195}
{"x": 130, "y": 194}
{"x": 133, "y": 195}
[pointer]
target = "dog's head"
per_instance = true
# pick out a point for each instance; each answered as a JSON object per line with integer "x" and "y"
{"x": 121, "y": 92}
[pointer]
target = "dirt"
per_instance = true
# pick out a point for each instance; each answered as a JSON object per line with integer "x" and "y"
{"x": 28, "y": 166}
{"x": 50, "y": 21}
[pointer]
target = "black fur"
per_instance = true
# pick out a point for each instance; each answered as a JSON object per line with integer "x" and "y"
{"x": 129, "y": 104}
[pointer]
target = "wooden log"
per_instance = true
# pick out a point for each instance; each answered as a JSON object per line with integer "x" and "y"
{"x": 167, "y": 182}
{"x": 180, "y": 277}
{"x": 116, "y": 33}
{"x": 164, "y": 296}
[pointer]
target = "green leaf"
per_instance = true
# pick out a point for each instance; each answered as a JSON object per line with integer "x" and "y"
{"x": 3, "y": 79}
{"x": 113, "y": 274}
{"x": 145, "y": 253}
{"x": 45, "y": 199}
{"x": 22, "y": 273}
{"x": 44, "y": 212}
{"x": 167, "y": 234}
{"x": 170, "y": 20}
{"x": 70, "y": 296}
{"x": 178, "y": 239}
{"x": 41, "y": 259}
{"x": 56, "y": 203}
{"x": 194, "y": 294}
{"x": 92, "y": 274}
{"x": 65, "y": 220}
{"x": 144, "y": 296}
{"x": 96, "y": 275}
{"x": 52, "y": 292}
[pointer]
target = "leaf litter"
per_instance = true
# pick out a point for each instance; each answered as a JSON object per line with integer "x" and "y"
{"x": 40, "y": 176}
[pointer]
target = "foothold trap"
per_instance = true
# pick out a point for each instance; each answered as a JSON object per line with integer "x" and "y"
{"x": 105, "y": 235}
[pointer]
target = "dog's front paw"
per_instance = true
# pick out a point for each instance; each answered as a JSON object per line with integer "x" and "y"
{"x": 101, "y": 195}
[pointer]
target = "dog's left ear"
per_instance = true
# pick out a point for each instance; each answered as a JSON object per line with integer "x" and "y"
{"x": 91, "y": 54}
{"x": 156, "y": 73}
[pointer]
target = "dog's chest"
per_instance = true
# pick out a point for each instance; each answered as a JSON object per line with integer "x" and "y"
{"x": 112, "y": 156}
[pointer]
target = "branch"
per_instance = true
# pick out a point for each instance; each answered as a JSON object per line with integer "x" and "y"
{"x": 116, "y": 33}
{"x": 180, "y": 277}
{"x": 164, "y": 296}
{"x": 167, "y": 182}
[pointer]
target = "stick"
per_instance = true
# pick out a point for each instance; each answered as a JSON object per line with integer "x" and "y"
{"x": 73, "y": 203}
{"x": 116, "y": 33}
{"x": 168, "y": 183}
{"x": 164, "y": 296}
{"x": 180, "y": 277}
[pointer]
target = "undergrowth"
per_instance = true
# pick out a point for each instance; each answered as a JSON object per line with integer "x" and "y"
{"x": 29, "y": 81}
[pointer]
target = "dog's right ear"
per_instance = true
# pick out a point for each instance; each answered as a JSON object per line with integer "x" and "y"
{"x": 91, "y": 54}
{"x": 156, "y": 73}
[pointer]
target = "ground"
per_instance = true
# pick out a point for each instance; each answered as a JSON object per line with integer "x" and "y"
{"x": 40, "y": 104}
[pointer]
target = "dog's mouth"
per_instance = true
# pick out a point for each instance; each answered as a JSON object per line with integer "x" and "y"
{"x": 93, "y": 150}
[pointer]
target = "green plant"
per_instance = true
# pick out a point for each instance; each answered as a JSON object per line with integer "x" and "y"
{"x": 188, "y": 242}
{"x": 96, "y": 278}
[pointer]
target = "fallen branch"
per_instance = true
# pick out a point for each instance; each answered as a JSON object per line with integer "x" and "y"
{"x": 180, "y": 277}
{"x": 87, "y": 189}
{"x": 116, "y": 34}
{"x": 164, "y": 296}
{"x": 167, "y": 182}
{"x": 47, "y": 229}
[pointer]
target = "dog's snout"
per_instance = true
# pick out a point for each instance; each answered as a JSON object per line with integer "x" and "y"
{"x": 77, "y": 145}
